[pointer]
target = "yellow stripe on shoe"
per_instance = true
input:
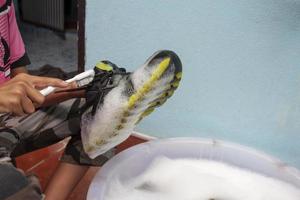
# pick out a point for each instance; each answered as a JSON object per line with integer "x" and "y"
{"x": 157, "y": 73}
{"x": 179, "y": 75}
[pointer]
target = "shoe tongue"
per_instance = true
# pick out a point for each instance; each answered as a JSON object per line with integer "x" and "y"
{"x": 106, "y": 66}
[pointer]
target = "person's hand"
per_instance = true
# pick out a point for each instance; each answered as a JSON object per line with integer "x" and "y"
{"x": 21, "y": 94}
{"x": 38, "y": 82}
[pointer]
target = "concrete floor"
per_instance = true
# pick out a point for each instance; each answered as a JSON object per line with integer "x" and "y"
{"x": 46, "y": 47}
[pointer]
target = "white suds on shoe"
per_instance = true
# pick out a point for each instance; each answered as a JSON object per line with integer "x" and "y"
{"x": 100, "y": 132}
{"x": 191, "y": 179}
{"x": 98, "y": 128}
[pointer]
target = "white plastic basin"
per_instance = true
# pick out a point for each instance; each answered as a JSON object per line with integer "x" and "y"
{"x": 133, "y": 161}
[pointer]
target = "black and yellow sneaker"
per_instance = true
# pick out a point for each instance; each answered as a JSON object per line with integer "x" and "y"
{"x": 117, "y": 102}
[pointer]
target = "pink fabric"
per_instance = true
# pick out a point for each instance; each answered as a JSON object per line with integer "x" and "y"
{"x": 2, "y": 2}
{"x": 3, "y": 78}
{"x": 11, "y": 37}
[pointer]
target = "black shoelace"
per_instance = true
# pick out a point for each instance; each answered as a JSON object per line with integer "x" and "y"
{"x": 96, "y": 90}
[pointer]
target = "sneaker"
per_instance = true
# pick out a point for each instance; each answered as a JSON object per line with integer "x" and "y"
{"x": 119, "y": 100}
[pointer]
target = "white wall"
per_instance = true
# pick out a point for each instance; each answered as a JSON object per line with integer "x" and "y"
{"x": 241, "y": 64}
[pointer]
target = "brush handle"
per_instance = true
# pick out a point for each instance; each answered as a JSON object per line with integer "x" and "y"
{"x": 48, "y": 90}
{"x": 79, "y": 77}
{"x": 82, "y": 76}
{"x": 56, "y": 98}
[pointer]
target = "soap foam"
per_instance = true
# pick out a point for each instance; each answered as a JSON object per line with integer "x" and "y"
{"x": 191, "y": 179}
{"x": 108, "y": 116}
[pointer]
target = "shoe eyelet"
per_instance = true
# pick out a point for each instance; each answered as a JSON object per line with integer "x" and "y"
{"x": 111, "y": 81}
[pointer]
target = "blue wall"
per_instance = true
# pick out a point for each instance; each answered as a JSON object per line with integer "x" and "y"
{"x": 241, "y": 63}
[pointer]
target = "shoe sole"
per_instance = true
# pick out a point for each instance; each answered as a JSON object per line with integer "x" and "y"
{"x": 153, "y": 84}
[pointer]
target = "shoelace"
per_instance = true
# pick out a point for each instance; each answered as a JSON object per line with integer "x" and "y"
{"x": 99, "y": 80}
